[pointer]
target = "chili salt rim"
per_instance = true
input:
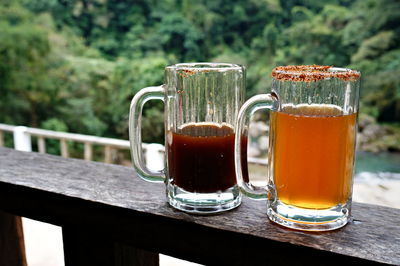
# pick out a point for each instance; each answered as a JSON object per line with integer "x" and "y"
{"x": 308, "y": 73}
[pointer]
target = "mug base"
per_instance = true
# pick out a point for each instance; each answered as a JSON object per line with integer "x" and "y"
{"x": 203, "y": 203}
{"x": 309, "y": 219}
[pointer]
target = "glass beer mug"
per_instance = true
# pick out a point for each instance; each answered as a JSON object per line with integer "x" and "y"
{"x": 312, "y": 146}
{"x": 201, "y": 102}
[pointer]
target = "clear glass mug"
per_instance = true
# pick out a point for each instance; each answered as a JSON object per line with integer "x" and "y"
{"x": 201, "y": 103}
{"x": 312, "y": 136}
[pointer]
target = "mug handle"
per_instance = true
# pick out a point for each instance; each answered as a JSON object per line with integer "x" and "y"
{"x": 135, "y": 129}
{"x": 255, "y": 103}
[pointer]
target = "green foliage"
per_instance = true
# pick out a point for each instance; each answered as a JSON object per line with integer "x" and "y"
{"x": 374, "y": 46}
{"x": 24, "y": 50}
{"x": 53, "y": 146}
{"x": 178, "y": 36}
{"x": 75, "y": 65}
{"x": 128, "y": 78}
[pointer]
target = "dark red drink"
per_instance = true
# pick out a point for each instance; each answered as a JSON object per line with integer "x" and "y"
{"x": 201, "y": 158}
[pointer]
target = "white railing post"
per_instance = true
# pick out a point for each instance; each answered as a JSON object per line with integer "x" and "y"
{"x": 88, "y": 151}
{"x": 22, "y": 139}
{"x": 108, "y": 158}
{"x": 1, "y": 138}
{"x": 41, "y": 144}
{"x": 154, "y": 158}
{"x": 64, "y": 148}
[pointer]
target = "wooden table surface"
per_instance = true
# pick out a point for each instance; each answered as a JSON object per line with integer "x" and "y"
{"x": 111, "y": 201}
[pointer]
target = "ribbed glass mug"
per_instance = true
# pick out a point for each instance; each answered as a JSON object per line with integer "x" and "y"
{"x": 201, "y": 102}
{"x": 312, "y": 140}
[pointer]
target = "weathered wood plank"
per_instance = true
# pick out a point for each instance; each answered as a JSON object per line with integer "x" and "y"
{"x": 112, "y": 200}
{"x": 12, "y": 246}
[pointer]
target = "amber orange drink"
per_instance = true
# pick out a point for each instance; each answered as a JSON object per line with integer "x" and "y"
{"x": 313, "y": 155}
{"x": 312, "y": 137}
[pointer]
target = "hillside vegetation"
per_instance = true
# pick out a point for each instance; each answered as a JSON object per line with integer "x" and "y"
{"x": 75, "y": 65}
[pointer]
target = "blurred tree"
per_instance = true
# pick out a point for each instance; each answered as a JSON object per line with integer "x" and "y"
{"x": 24, "y": 61}
{"x": 178, "y": 36}
{"x": 373, "y": 33}
{"x": 78, "y": 63}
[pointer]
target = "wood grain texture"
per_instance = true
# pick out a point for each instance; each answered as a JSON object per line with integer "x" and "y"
{"x": 113, "y": 200}
{"x": 12, "y": 245}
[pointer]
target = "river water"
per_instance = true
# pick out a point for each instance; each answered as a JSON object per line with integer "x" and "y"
{"x": 375, "y": 167}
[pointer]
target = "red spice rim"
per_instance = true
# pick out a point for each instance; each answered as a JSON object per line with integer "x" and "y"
{"x": 308, "y": 73}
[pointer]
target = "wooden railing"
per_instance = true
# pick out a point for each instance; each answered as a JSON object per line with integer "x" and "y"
{"x": 22, "y": 141}
{"x": 109, "y": 216}
{"x": 154, "y": 153}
